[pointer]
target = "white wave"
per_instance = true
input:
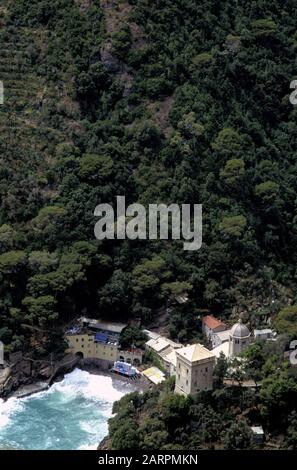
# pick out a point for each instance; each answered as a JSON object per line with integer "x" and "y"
{"x": 91, "y": 386}
{"x": 89, "y": 427}
{"x": 80, "y": 382}
{"x": 96, "y": 395}
{"x": 7, "y": 409}
{"x": 88, "y": 447}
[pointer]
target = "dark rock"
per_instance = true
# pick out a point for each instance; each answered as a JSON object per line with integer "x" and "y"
{"x": 67, "y": 364}
{"x": 6, "y": 381}
{"x": 45, "y": 372}
{"x": 104, "y": 444}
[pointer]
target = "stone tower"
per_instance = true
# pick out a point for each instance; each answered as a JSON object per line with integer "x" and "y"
{"x": 194, "y": 369}
{"x": 239, "y": 338}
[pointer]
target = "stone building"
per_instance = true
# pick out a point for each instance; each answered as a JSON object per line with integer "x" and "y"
{"x": 165, "y": 349}
{"x": 88, "y": 346}
{"x": 240, "y": 338}
{"x": 131, "y": 356}
{"x": 194, "y": 369}
{"x": 211, "y": 326}
{"x": 95, "y": 339}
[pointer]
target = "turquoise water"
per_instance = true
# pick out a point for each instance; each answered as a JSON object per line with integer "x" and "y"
{"x": 71, "y": 415}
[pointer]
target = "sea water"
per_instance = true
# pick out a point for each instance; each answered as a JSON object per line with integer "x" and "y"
{"x": 70, "y": 415}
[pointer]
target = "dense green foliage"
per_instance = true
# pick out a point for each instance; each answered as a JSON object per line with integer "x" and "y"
{"x": 189, "y": 106}
{"x": 161, "y": 101}
{"x": 160, "y": 419}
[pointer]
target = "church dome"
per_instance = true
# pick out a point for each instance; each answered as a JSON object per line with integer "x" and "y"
{"x": 239, "y": 330}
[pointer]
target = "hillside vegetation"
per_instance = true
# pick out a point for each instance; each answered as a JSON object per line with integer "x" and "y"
{"x": 161, "y": 101}
{"x": 220, "y": 419}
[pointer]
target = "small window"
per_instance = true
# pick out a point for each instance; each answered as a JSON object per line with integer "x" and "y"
{"x": 206, "y": 369}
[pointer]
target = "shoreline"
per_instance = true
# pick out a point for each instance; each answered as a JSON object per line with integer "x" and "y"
{"x": 140, "y": 385}
{"x": 120, "y": 383}
{"x": 28, "y": 390}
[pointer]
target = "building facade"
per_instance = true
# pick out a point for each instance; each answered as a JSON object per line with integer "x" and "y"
{"x": 240, "y": 338}
{"x": 219, "y": 338}
{"x": 211, "y": 325}
{"x": 131, "y": 356}
{"x": 95, "y": 339}
{"x": 165, "y": 349}
{"x": 194, "y": 370}
{"x": 87, "y": 346}
{"x": 264, "y": 334}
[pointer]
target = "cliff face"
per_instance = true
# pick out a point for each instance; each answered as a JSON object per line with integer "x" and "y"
{"x": 25, "y": 376}
{"x": 104, "y": 444}
{"x": 5, "y": 381}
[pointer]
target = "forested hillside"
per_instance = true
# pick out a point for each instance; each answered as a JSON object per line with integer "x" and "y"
{"x": 161, "y": 101}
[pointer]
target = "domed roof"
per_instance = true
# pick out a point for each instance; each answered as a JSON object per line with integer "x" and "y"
{"x": 239, "y": 330}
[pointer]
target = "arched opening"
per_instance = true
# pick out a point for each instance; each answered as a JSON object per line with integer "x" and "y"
{"x": 136, "y": 362}
{"x": 80, "y": 354}
{"x": 121, "y": 358}
{"x": 128, "y": 360}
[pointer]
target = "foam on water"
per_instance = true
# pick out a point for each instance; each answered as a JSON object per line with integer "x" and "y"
{"x": 72, "y": 414}
{"x": 8, "y": 409}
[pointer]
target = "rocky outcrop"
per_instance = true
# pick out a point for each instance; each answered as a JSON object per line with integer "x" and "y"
{"x": 27, "y": 373}
{"x": 67, "y": 364}
{"x": 6, "y": 381}
{"x": 104, "y": 444}
{"x": 45, "y": 372}
{"x": 28, "y": 390}
{"x": 14, "y": 376}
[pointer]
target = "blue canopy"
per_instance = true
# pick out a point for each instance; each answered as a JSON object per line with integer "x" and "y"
{"x": 124, "y": 368}
{"x": 101, "y": 337}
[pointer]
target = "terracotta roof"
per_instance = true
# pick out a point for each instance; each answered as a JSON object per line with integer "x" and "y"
{"x": 212, "y": 322}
